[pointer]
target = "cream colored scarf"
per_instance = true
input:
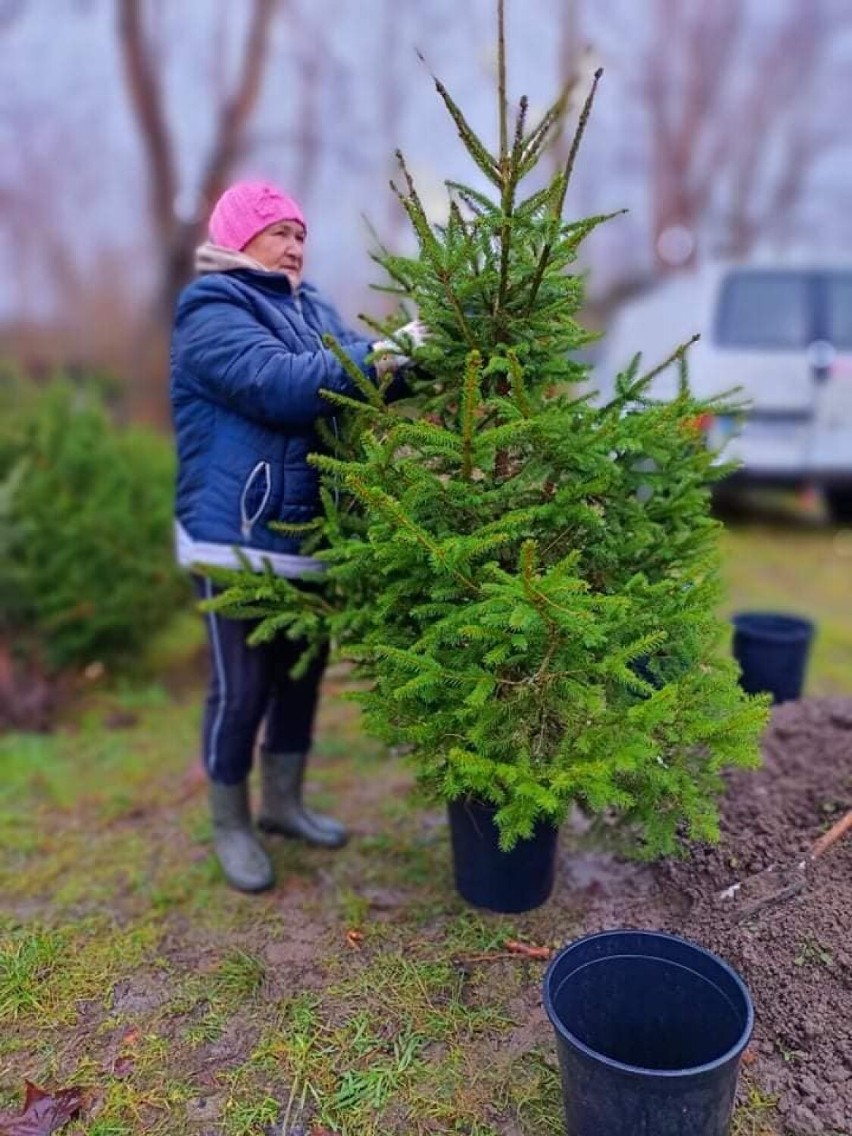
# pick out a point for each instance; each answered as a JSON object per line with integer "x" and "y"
{"x": 216, "y": 258}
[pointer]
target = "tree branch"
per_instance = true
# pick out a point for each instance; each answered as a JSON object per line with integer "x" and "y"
{"x": 237, "y": 110}
{"x": 147, "y": 104}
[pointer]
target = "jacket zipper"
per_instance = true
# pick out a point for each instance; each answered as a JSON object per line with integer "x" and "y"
{"x": 248, "y": 522}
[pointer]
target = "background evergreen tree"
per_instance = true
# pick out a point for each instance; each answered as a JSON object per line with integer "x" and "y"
{"x": 529, "y": 580}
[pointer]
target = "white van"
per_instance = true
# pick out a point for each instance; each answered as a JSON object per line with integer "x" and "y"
{"x": 783, "y": 335}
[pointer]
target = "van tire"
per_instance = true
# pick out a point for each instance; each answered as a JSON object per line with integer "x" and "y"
{"x": 839, "y": 502}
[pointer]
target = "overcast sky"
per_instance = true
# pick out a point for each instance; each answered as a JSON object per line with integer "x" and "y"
{"x": 65, "y": 120}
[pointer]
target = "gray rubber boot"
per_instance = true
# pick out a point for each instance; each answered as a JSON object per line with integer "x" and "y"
{"x": 243, "y": 859}
{"x": 281, "y": 810}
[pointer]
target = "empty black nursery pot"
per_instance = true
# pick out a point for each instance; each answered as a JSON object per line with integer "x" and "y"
{"x": 772, "y": 650}
{"x": 486, "y": 876}
{"x": 650, "y": 1030}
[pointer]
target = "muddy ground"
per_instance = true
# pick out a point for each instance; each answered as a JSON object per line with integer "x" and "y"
{"x": 393, "y": 882}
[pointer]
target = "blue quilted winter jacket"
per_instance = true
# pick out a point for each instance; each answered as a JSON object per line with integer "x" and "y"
{"x": 247, "y": 366}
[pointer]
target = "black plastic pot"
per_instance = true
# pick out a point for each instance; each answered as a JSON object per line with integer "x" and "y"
{"x": 649, "y": 1030}
{"x": 487, "y": 877}
{"x": 772, "y": 650}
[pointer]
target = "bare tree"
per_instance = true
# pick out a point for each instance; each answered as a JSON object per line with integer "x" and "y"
{"x": 324, "y": 81}
{"x": 732, "y": 129}
{"x": 310, "y": 70}
{"x": 684, "y": 75}
{"x": 571, "y": 70}
{"x": 10, "y": 10}
{"x": 49, "y": 184}
{"x": 177, "y": 236}
{"x": 783, "y": 105}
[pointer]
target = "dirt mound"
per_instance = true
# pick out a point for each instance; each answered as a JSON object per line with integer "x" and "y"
{"x": 795, "y": 955}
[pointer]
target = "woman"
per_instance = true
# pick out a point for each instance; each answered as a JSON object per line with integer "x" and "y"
{"x": 247, "y": 366}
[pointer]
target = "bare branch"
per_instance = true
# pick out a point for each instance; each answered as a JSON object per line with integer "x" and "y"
{"x": 709, "y": 47}
{"x": 778, "y": 108}
{"x": 238, "y": 109}
{"x": 728, "y": 122}
{"x": 146, "y": 98}
{"x": 10, "y": 10}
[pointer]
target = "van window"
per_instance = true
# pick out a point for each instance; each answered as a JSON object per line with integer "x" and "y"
{"x": 839, "y": 313}
{"x": 768, "y": 310}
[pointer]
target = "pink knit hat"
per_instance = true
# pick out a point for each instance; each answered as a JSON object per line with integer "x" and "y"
{"x": 246, "y": 208}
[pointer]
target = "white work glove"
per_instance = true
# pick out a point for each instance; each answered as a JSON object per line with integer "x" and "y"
{"x": 390, "y": 352}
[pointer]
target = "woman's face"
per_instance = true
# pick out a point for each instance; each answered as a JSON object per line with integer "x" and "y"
{"x": 280, "y": 248}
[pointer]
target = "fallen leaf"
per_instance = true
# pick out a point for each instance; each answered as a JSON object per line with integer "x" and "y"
{"x": 749, "y": 1057}
{"x": 43, "y": 1112}
{"x": 516, "y": 948}
{"x": 354, "y": 938}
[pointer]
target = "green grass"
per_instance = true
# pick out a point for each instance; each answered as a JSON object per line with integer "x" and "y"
{"x": 28, "y": 960}
{"x": 127, "y": 967}
{"x": 803, "y": 571}
{"x": 238, "y": 978}
{"x": 46, "y": 973}
{"x": 165, "y": 988}
{"x": 757, "y": 1114}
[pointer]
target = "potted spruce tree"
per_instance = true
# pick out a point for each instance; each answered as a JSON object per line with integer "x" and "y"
{"x": 528, "y": 579}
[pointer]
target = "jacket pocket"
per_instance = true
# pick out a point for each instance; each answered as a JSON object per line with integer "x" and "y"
{"x": 254, "y": 498}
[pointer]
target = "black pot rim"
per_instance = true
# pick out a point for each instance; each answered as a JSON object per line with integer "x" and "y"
{"x": 774, "y": 626}
{"x": 638, "y": 1070}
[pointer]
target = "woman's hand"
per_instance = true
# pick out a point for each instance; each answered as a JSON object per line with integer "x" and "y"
{"x": 410, "y": 337}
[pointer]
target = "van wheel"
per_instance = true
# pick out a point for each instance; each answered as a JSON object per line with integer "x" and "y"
{"x": 839, "y": 503}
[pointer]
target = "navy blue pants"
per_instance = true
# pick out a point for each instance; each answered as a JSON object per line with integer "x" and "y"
{"x": 250, "y": 686}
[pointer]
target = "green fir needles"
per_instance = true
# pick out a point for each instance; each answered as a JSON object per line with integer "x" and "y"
{"x": 528, "y": 578}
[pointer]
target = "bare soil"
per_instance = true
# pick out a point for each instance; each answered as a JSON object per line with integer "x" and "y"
{"x": 795, "y": 954}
